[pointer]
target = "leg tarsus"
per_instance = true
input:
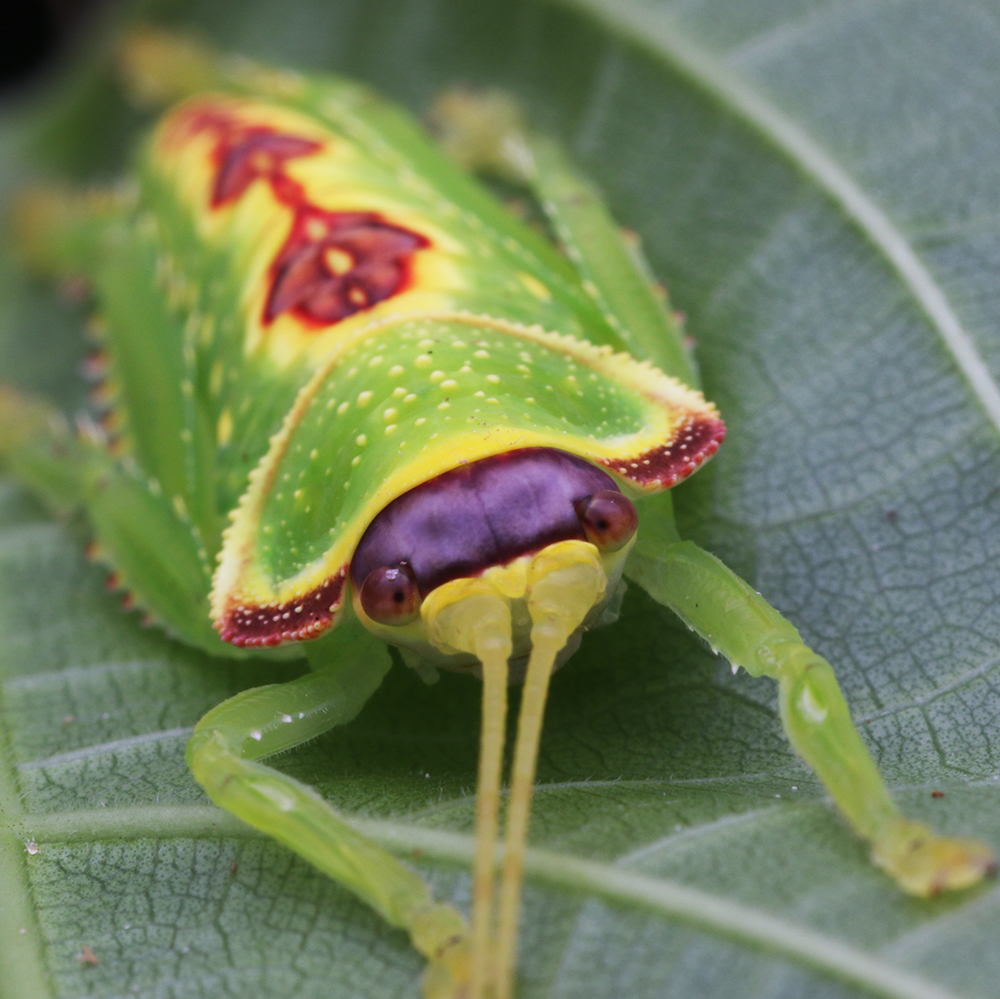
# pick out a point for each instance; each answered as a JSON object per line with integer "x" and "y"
{"x": 925, "y": 864}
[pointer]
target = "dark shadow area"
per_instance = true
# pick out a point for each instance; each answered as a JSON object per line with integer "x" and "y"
{"x": 34, "y": 34}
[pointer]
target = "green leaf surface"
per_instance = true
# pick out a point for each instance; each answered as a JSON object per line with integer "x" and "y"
{"x": 817, "y": 183}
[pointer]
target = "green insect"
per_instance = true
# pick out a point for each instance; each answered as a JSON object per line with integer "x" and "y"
{"x": 356, "y": 402}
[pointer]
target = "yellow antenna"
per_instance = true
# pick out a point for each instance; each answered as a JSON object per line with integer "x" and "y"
{"x": 565, "y": 581}
{"x": 470, "y": 615}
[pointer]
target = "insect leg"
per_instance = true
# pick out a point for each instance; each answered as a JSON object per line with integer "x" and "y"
{"x": 483, "y": 132}
{"x": 223, "y": 754}
{"x": 739, "y": 623}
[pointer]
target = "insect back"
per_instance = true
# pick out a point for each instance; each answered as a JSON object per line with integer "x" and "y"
{"x": 389, "y": 333}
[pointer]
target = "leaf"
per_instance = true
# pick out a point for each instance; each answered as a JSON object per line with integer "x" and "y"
{"x": 817, "y": 183}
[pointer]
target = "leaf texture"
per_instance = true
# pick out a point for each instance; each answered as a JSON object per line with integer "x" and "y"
{"x": 816, "y": 182}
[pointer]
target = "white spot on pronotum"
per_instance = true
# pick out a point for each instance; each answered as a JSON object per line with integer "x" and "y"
{"x": 810, "y": 707}
{"x": 255, "y": 733}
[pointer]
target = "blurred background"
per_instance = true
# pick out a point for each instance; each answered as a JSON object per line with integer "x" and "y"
{"x": 36, "y": 33}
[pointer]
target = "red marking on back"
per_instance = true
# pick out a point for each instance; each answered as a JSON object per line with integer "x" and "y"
{"x": 374, "y": 261}
{"x": 664, "y": 466}
{"x": 333, "y": 264}
{"x": 266, "y": 625}
{"x": 259, "y": 153}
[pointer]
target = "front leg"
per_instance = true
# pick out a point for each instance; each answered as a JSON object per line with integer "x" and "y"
{"x": 223, "y": 754}
{"x": 740, "y": 624}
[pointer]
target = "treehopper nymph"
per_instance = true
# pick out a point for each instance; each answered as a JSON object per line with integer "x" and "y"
{"x": 354, "y": 402}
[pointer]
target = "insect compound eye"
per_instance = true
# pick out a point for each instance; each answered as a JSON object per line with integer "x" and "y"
{"x": 608, "y": 519}
{"x": 389, "y": 595}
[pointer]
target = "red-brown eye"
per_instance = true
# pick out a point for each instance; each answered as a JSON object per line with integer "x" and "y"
{"x": 390, "y": 595}
{"x": 608, "y": 519}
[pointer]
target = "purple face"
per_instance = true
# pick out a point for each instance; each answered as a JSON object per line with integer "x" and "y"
{"x": 481, "y": 514}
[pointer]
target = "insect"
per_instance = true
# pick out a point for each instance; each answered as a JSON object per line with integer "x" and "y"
{"x": 355, "y": 403}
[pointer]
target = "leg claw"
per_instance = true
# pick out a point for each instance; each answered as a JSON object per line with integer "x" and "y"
{"x": 925, "y": 864}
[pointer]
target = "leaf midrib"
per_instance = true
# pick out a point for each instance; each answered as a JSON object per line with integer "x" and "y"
{"x": 610, "y": 882}
{"x": 23, "y": 974}
{"x": 649, "y": 29}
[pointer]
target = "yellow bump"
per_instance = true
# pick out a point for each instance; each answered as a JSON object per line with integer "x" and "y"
{"x": 396, "y": 370}
{"x": 409, "y": 398}
{"x": 424, "y": 344}
{"x": 389, "y": 429}
{"x": 436, "y": 376}
{"x": 420, "y": 421}
{"x": 361, "y": 440}
{"x": 493, "y": 379}
{"x": 535, "y": 286}
{"x": 493, "y": 400}
{"x": 224, "y": 430}
{"x": 314, "y": 454}
{"x": 480, "y": 395}
{"x": 364, "y": 398}
{"x": 388, "y": 414}
{"x": 465, "y": 370}
{"x": 422, "y": 360}
{"x": 376, "y": 361}
{"x": 449, "y": 383}
{"x": 356, "y": 460}
{"x": 398, "y": 392}
{"x": 297, "y": 494}
{"x": 525, "y": 369}
{"x": 481, "y": 354}
{"x": 443, "y": 405}
{"x": 343, "y": 408}
{"x": 459, "y": 343}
